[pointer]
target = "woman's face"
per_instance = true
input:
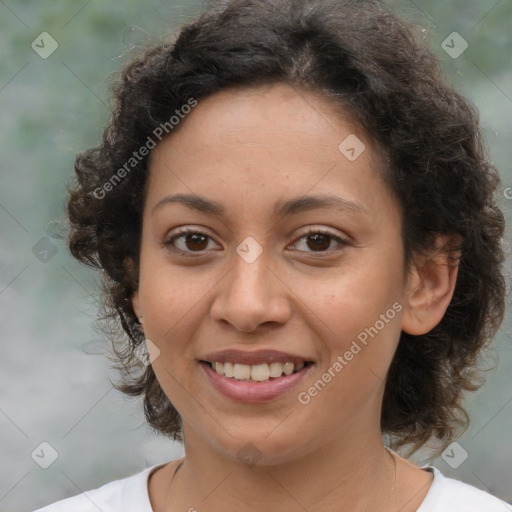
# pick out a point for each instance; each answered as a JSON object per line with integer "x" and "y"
{"x": 253, "y": 279}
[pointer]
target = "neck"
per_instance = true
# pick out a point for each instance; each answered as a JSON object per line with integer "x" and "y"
{"x": 350, "y": 473}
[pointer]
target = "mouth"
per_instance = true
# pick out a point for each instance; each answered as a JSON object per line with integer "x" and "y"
{"x": 254, "y": 383}
{"x": 256, "y": 372}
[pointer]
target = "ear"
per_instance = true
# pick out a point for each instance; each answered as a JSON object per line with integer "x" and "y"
{"x": 430, "y": 285}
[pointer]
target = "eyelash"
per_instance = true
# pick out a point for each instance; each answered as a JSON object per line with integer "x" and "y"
{"x": 182, "y": 232}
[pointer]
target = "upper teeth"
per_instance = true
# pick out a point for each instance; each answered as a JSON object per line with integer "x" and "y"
{"x": 259, "y": 372}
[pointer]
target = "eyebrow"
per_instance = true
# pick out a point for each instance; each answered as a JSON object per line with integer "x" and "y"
{"x": 281, "y": 209}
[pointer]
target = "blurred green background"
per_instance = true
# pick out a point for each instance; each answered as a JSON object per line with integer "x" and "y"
{"x": 54, "y": 378}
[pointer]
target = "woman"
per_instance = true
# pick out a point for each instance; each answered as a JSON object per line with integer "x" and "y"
{"x": 294, "y": 216}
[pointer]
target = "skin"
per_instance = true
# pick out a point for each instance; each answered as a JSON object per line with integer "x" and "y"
{"x": 248, "y": 149}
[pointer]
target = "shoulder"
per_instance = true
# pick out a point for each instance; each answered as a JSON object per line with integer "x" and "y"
{"x": 449, "y": 495}
{"x": 123, "y": 495}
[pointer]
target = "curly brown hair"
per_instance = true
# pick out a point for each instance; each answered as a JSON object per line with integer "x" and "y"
{"x": 367, "y": 60}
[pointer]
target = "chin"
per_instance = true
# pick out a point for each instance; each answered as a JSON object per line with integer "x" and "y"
{"x": 264, "y": 449}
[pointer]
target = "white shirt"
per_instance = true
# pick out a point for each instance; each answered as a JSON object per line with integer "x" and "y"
{"x": 131, "y": 495}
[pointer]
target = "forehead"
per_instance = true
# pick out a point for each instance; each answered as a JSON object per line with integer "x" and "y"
{"x": 261, "y": 145}
{"x": 276, "y": 115}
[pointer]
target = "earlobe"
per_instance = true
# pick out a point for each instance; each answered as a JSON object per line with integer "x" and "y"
{"x": 431, "y": 284}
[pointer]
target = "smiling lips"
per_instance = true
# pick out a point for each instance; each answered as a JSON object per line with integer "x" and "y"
{"x": 260, "y": 365}
{"x": 254, "y": 376}
{"x": 256, "y": 372}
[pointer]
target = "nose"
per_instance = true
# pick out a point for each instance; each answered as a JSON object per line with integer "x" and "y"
{"x": 251, "y": 294}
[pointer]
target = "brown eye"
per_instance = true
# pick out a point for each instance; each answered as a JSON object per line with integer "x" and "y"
{"x": 319, "y": 242}
{"x": 188, "y": 241}
{"x": 196, "y": 241}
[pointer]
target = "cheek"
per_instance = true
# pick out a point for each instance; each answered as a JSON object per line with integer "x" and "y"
{"x": 357, "y": 318}
{"x": 358, "y": 340}
{"x": 170, "y": 295}
{"x": 352, "y": 299}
